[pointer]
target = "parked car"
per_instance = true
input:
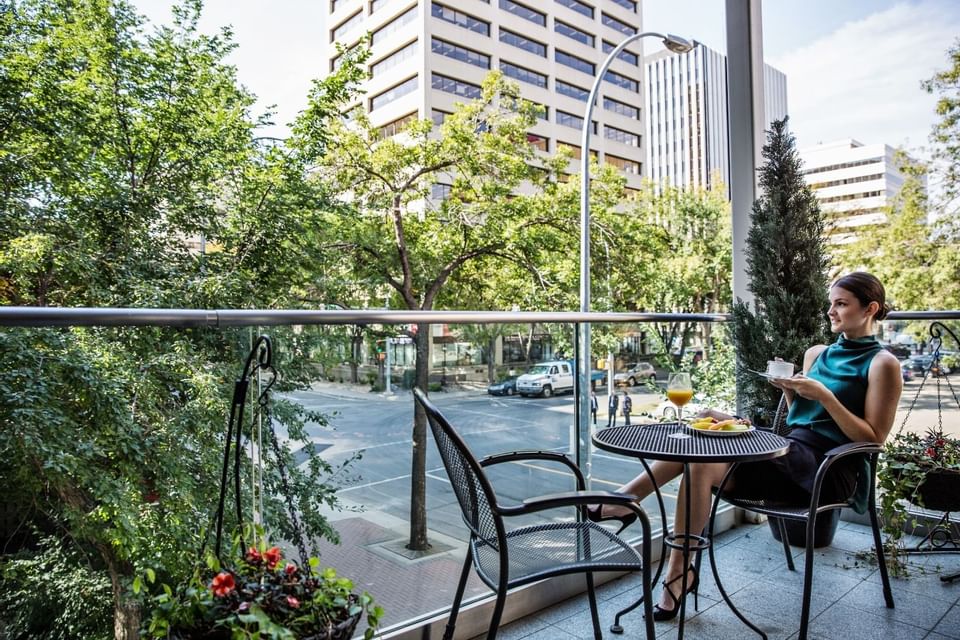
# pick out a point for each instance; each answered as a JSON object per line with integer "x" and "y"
{"x": 666, "y": 410}
{"x": 905, "y": 371}
{"x": 506, "y": 387}
{"x": 636, "y": 373}
{"x": 919, "y": 365}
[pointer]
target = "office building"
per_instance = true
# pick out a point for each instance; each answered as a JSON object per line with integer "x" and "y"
{"x": 853, "y": 182}
{"x": 687, "y": 142}
{"x": 428, "y": 55}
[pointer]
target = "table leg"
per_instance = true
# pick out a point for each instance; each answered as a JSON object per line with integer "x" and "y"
{"x": 713, "y": 561}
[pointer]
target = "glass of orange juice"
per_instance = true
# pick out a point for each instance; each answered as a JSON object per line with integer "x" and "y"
{"x": 679, "y": 391}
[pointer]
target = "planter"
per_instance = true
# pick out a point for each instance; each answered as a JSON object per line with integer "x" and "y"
{"x": 823, "y": 530}
{"x": 939, "y": 490}
{"x": 343, "y": 630}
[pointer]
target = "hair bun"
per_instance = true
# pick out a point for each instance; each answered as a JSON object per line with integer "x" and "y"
{"x": 882, "y": 313}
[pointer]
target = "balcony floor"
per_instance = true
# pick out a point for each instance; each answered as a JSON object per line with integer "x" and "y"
{"x": 847, "y": 598}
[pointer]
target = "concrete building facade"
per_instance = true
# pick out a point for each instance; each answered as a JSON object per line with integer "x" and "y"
{"x": 427, "y": 55}
{"x": 687, "y": 141}
{"x": 853, "y": 182}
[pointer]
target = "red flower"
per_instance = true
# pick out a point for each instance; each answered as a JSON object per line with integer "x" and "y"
{"x": 253, "y": 556}
{"x": 931, "y": 452}
{"x": 222, "y": 584}
{"x": 290, "y": 569}
{"x": 272, "y": 556}
{"x": 293, "y": 602}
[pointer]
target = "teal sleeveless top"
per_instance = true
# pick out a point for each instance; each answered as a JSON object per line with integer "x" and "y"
{"x": 842, "y": 368}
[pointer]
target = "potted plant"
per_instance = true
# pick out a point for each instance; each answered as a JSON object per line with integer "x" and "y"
{"x": 259, "y": 595}
{"x": 923, "y": 470}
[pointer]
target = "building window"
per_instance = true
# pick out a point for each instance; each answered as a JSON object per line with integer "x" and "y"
{"x": 619, "y": 135}
{"x": 526, "y": 13}
{"x": 394, "y": 59}
{"x": 537, "y": 142}
{"x": 523, "y": 75}
{"x": 523, "y": 42}
{"x": 630, "y": 5}
{"x": 572, "y": 91}
{"x": 376, "y": 5}
{"x": 394, "y": 25}
{"x": 580, "y": 7}
{"x": 460, "y": 19}
{"x": 621, "y": 81}
{"x": 572, "y": 148}
{"x": 572, "y": 32}
{"x": 462, "y": 54}
{"x": 438, "y": 116}
{"x": 851, "y": 196}
{"x": 393, "y": 128}
{"x": 572, "y": 121}
{"x": 618, "y": 25}
{"x": 337, "y": 32}
{"x": 845, "y": 165}
{"x": 573, "y": 61}
{"x": 440, "y": 191}
{"x": 542, "y": 111}
{"x": 456, "y": 87}
{"x": 835, "y": 183}
{"x": 391, "y": 94}
{"x": 626, "y": 56}
{"x": 627, "y": 166}
{"x": 622, "y": 108}
{"x": 336, "y": 4}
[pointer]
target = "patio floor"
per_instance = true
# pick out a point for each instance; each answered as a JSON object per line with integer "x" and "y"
{"x": 847, "y": 599}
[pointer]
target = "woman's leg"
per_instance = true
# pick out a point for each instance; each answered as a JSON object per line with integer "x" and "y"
{"x": 703, "y": 477}
{"x": 642, "y": 486}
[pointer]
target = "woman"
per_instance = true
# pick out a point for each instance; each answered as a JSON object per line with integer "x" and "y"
{"x": 847, "y": 392}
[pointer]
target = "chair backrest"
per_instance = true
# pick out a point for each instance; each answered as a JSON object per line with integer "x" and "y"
{"x": 473, "y": 490}
{"x": 780, "y": 426}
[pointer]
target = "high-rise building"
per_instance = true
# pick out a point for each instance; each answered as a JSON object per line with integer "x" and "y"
{"x": 687, "y": 142}
{"x": 853, "y": 182}
{"x": 428, "y": 55}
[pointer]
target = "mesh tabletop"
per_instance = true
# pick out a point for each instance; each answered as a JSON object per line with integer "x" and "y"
{"x": 653, "y": 442}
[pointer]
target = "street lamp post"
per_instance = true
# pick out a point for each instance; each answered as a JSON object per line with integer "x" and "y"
{"x": 677, "y": 45}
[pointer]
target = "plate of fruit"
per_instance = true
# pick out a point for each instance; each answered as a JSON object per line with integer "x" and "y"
{"x": 721, "y": 428}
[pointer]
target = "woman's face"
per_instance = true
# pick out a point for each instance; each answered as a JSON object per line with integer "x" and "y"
{"x": 847, "y": 315}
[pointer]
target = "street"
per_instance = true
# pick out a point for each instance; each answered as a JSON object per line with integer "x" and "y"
{"x": 379, "y": 428}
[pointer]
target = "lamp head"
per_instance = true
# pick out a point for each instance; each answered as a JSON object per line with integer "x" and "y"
{"x": 678, "y": 44}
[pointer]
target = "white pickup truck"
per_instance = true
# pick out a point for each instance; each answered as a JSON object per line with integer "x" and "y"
{"x": 546, "y": 378}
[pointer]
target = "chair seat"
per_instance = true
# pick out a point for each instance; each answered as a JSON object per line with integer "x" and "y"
{"x": 545, "y": 550}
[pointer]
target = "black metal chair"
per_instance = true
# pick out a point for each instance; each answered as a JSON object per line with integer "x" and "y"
{"x": 808, "y": 513}
{"x": 505, "y": 559}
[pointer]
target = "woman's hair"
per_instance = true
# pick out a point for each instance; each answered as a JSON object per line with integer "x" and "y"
{"x": 867, "y": 289}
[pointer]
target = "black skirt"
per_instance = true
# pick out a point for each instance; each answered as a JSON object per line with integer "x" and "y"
{"x": 789, "y": 478}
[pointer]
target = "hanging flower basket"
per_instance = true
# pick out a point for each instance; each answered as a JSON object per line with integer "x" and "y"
{"x": 921, "y": 479}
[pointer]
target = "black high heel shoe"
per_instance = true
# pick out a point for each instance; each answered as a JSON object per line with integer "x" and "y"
{"x": 596, "y": 515}
{"x": 660, "y": 614}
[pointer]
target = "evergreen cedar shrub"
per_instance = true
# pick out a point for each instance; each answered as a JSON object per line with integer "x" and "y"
{"x": 787, "y": 273}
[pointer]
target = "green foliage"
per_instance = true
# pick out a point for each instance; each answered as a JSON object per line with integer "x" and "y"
{"x": 787, "y": 270}
{"x": 946, "y": 133}
{"x": 54, "y": 594}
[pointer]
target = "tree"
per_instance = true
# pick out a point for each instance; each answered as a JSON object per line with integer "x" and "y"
{"x": 946, "y": 133}
{"x": 115, "y": 148}
{"x": 396, "y": 236}
{"x": 787, "y": 271}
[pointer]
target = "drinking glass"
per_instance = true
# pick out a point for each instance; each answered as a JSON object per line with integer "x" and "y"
{"x": 679, "y": 391}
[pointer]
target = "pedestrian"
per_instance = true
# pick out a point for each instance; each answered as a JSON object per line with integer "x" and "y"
{"x": 613, "y": 403}
{"x": 627, "y": 407}
{"x": 593, "y": 406}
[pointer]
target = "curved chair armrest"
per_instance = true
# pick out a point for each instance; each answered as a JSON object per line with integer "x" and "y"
{"x": 835, "y": 454}
{"x": 549, "y": 456}
{"x": 571, "y": 499}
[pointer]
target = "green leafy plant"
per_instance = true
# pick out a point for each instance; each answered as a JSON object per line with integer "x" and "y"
{"x": 912, "y": 466}
{"x": 259, "y": 595}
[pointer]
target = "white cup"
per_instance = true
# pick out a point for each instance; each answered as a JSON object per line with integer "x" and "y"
{"x": 780, "y": 369}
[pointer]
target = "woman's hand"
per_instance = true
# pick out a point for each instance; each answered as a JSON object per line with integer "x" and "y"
{"x": 803, "y": 386}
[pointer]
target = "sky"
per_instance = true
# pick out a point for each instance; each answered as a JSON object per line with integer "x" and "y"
{"x": 853, "y": 67}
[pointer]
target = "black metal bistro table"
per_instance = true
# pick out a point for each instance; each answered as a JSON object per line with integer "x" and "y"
{"x": 676, "y": 442}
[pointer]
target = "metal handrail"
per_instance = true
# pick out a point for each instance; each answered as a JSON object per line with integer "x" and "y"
{"x": 219, "y": 318}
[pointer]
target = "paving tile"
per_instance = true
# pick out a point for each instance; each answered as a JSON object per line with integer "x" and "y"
{"x": 949, "y": 625}
{"x": 911, "y": 608}
{"x": 718, "y": 623}
{"x": 779, "y": 603}
{"x": 840, "y": 621}
{"x": 522, "y": 628}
